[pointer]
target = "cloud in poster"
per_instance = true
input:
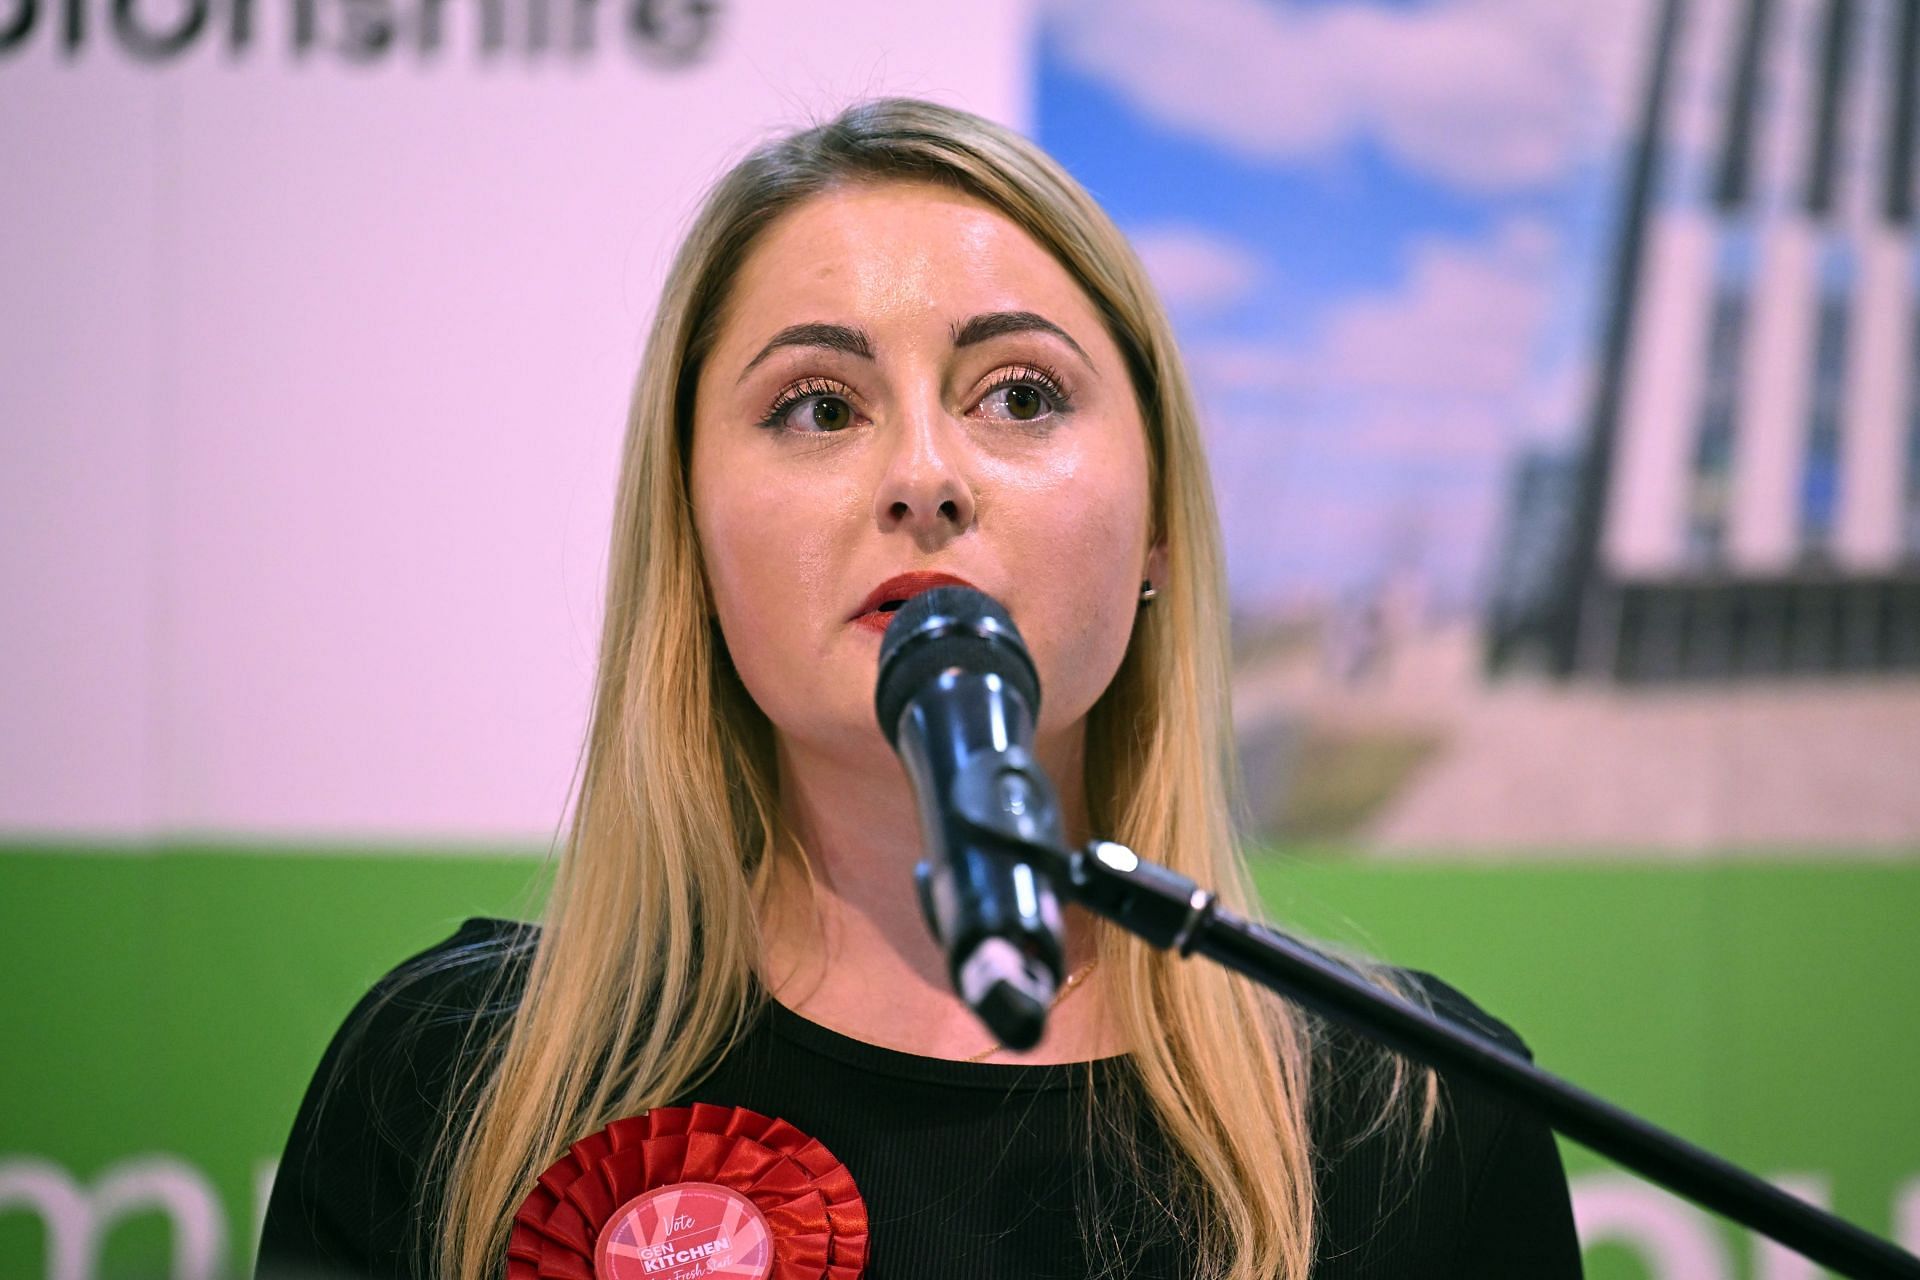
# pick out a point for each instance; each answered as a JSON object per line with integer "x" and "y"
{"x": 1399, "y": 411}
{"x": 1464, "y": 320}
{"x": 1485, "y": 95}
{"x": 1196, "y": 270}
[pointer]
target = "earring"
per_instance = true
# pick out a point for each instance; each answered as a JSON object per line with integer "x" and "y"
{"x": 1147, "y": 592}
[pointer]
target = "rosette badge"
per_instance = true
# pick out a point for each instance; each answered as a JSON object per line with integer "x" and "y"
{"x": 681, "y": 1193}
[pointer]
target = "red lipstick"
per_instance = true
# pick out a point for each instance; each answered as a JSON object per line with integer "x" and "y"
{"x": 877, "y": 610}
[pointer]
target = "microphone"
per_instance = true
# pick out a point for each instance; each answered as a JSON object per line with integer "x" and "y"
{"x": 957, "y": 697}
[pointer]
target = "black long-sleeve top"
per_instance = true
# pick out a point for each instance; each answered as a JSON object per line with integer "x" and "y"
{"x": 974, "y": 1170}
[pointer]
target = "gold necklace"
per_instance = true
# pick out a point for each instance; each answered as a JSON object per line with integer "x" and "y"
{"x": 1066, "y": 989}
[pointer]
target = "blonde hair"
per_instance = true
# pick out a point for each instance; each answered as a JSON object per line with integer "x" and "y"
{"x": 645, "y": 969}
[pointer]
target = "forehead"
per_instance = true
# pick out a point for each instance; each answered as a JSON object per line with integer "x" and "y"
{"x": 897, "y": 255}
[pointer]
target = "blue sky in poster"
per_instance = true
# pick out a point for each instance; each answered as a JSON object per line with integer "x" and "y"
{"x": 1382, "y": 230}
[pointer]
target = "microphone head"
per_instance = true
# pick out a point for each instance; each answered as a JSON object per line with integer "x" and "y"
{"x": 947, "y": 628}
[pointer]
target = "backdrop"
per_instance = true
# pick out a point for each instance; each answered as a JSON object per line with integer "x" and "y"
{"x": 1557, "y": 365}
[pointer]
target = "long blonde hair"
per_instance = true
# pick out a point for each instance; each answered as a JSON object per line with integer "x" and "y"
{"x": 645, "y": 968}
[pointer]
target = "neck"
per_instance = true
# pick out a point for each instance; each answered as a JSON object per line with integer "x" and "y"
{"x": 850, "y": 951}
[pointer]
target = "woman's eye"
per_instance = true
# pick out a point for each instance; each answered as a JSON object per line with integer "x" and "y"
{"x": 1017, "y": 402}
{"x": 816, "y": 413}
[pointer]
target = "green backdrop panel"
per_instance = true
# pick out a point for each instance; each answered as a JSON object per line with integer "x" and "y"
{"x": 164, "y": 1008}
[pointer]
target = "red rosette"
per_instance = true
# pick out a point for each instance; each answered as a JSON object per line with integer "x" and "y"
{"x": 656, "y": 1194}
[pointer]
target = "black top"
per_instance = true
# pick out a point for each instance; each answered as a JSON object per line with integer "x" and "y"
{"x": 967, "y": 1169}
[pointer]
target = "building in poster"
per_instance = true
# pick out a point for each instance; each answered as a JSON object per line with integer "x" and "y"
{"x": 1747, "y": 501}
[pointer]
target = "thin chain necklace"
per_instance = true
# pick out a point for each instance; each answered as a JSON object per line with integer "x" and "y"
{"x": 1066, "y": 989}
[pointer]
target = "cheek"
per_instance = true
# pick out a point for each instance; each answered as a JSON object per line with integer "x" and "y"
{"x": 740, "y": 554}
{"x": 1082, "y": 552}
{"x": 767, "y": 552}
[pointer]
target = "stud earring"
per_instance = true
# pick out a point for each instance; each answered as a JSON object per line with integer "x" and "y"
{"x": 1147, "y": 592}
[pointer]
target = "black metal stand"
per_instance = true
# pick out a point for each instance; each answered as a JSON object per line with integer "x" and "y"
{"x": 1171, "y": 911}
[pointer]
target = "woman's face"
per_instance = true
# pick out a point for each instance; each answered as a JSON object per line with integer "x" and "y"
{"x": 905, "y": 381}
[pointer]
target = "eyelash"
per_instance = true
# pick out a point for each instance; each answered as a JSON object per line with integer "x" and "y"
{"x": 1048, "y": 382}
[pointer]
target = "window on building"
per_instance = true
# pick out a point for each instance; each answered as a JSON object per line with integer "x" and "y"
{"x": 1910, "y": 504}
{"x": 1820, "y": 474}
{"x": 1710, "y": 480}
{"x": 1708, "y": 491}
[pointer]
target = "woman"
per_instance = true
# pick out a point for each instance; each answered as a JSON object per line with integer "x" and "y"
{"x": 899, "y": 348}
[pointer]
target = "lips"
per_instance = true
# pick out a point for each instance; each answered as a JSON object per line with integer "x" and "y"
{"x": 879, "y": 606}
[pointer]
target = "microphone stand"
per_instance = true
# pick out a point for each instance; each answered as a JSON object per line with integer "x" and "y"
{"x": 1170, "y": 911}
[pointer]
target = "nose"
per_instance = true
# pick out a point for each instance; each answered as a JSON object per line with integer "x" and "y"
{"x": 923, "y": 489}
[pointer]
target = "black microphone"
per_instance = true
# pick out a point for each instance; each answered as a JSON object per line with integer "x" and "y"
{"x": 957, "y": 697}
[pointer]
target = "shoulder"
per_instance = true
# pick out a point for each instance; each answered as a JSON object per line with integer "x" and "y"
{"x": 422, "y": 1027}
{"x": 1485, "y": 1188}
{"x": 478, "y": 969}
{"x": 1347, "y": 1054}
{"x": 472, "y": 977}
{"x": 387, "y": 1088}
{"x": 418, "y": 1017}
{"x": 1357, "y": 1073}
{"x": 1454, "y": 1005}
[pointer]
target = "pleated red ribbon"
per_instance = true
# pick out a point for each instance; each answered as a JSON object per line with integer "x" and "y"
{"x": 795, "y": 1192}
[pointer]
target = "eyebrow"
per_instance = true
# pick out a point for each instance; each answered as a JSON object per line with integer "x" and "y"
{"x": 996, "y": 324}
{"x": 981, "y": 328}
{"x": 833, "y": 337}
